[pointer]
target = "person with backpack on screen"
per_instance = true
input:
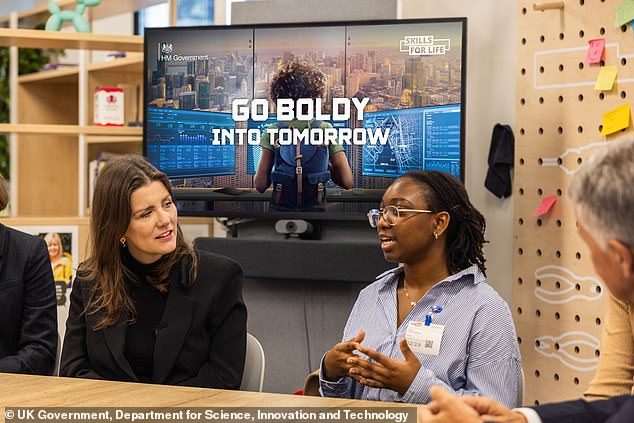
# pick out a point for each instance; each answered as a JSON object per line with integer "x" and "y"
{"x": 299, "y": 172}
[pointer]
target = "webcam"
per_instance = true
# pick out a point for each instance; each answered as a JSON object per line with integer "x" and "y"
{"x": 293, "y": 227}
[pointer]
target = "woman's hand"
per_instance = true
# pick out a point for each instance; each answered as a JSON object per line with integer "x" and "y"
{"x": 336, "y": 363}
{"x": 385, "y": 372}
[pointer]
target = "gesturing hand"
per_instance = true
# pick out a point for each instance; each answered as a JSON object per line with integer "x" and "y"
{"x": 335, "y": 362}
{"x": 385, "y": 372}
{"x": 446, "y": 408}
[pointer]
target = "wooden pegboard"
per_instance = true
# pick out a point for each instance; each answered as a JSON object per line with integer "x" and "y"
{"x": 558, "y": 300}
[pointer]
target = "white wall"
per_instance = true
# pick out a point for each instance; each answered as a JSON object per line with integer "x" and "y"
{"x": 6, "y": 6}
{"x": 280, "y": 11}
{"x": 491, "y": 69}
{"x": 115, "y": 25}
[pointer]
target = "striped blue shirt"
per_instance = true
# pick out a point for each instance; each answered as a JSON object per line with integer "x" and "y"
{"x": 478, "y": 352}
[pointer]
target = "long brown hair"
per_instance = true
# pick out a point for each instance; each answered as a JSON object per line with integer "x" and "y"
{"x": 111, "y": 214}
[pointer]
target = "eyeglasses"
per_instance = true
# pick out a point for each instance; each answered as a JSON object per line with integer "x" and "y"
{"x": 391, "y": 215}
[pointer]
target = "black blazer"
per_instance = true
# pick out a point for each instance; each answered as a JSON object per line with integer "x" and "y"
{"x": 28, "y": 309}
{"x": 614, "y": 410}
{"x": 201, "y": 342}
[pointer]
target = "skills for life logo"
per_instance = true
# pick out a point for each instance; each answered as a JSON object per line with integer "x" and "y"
{"x": 424, "y": 45}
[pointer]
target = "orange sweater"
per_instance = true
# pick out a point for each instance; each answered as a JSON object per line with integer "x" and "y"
{"x": 615, "y": 375}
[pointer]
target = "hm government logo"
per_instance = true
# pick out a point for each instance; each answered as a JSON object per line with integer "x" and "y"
{"x": 424, "y": 45}
{"x": 165, "y": 51}
{"x": 167, "y": 48}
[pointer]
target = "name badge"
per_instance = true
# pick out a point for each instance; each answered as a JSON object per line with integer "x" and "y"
{"x": 424, "y": 339}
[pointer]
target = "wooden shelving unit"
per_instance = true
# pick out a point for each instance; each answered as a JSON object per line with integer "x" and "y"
{"x": 51, "y": 130}
{"x": 131, "y": 63}
{"x": 70, "y": 74}
{"x": 111, "y": 139}
{"x": 32, "y": 38}
{"x": 26, "y": 128}
{"x": 62, "y": 75}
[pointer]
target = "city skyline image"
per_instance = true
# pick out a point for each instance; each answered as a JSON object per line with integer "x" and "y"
{"x": 392, "y": 79}
{"x": 193, "y": 71}
{"x": 321, "y": 47}
{"x": 411, "y": 74}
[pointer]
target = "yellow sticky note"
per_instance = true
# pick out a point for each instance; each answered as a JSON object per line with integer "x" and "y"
{"x": 616, "y": 119}
{"x": 606, "y": 78}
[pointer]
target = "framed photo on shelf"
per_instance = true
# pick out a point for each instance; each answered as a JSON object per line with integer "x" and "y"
{"x": 63, "y": 250}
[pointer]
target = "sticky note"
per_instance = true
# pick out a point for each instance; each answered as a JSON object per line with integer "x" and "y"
{"x": 624, "y": 13}
{"x": 616, "y": 119}
{"x": 606, "y": 78}
{"x": 545, "y": 206}
{"x": 595, "y": 50}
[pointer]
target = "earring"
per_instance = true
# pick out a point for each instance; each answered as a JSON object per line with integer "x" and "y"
{"x": 435, "y": 235}
{"x": 122, "y": 240}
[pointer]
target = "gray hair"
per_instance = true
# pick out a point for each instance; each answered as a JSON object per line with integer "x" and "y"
{"x": 603, "y": 192}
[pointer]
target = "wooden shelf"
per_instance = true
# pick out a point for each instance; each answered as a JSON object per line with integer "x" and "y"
{"x": 54, "y": 111}
{"x": 69, "y": 40}
{"x": 70, "y": 129}
{"x": 106, "y": 9}
{"x": 131, "y": 63}
{"x": 45, "y": 221}
{"x": 60, "y": 76}
{"x": 110, "y": 139}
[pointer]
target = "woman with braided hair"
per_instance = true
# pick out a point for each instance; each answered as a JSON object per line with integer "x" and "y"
{"x": 433, "y": 320}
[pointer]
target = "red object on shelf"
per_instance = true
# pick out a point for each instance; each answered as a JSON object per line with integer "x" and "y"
{"x": 109, "y": 109}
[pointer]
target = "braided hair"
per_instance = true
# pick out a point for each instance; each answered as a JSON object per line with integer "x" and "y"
{"x": 465, "y": 234}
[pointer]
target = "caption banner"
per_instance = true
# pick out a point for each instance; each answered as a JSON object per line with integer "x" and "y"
{"x": 198, "y": 414}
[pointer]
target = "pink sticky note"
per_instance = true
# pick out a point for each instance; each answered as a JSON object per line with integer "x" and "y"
{"x": 595, "y": 50}
{"x": 545, "y": 206}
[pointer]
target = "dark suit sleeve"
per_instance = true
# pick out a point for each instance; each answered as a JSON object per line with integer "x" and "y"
{"x": 581, "y": 411}
{"x": 37, "y": 344}
{"x": 75, "y": 360}
{"x": 625, "y": 413}
{"x": 229, "y": 331}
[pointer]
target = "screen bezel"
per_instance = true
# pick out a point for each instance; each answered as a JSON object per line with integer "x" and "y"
{"x": 370, "y": 196}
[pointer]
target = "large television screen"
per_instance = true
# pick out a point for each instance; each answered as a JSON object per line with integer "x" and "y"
{"x": 312, "y": 120}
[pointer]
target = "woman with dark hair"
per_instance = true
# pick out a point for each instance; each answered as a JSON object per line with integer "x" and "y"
{"x": 147, "y": 307}
{"x": 433, "y": 320}
{"x": 28, "y": 317}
